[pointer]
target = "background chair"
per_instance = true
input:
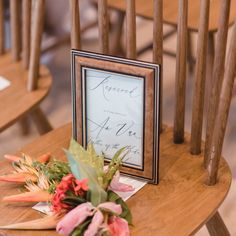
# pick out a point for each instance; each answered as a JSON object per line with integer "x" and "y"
{"x": 30, "y": 81}
{"x": 144, "y": 9}
{"x": 183, "y": 201}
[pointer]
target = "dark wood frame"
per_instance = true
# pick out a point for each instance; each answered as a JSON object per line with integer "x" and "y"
{"x": 151, "y": 74}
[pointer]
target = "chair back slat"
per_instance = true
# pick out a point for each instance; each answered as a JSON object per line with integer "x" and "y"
{"x": 2, "y": 34}
{"x": 223, "y": 112}
{"x": 15, "y": 29}
{"x": 26, "y": 32}
{"x": 36, "y": 38}
{"x": 218, "y": 73}
{"x": 158, "y": 45}
{"x": 180, "y": 72}
{"x": 130, "y": 29}
{"x": 75, "y": 24}
{"x": 103, "y": 26}
{"x": 199, "y": 86}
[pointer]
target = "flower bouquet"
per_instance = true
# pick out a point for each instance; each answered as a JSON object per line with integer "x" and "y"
{"x": 80, "y": 192}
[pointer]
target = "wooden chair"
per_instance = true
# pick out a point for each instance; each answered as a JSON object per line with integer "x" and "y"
{"x": 30, "y": 81}
{"x": 189, "y": 194}
{"x": 144, "y": 9}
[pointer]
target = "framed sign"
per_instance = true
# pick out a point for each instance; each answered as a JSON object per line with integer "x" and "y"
{"x": 115, "y": 105}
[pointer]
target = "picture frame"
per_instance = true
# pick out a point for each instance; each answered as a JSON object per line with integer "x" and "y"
{"x": 115, "y": 104}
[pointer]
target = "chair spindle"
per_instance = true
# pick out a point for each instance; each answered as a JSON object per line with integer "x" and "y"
{"x": 180, "y": 72}
{"x": 2, "y": 32}
{"x": 75, "y": 25}
{"x": 26, "y": 32}
{"x": 15, "y": 29}
{"x": 130, "y": 29}
{"x": 37, "y": 31}
{"x": 103, "y": 25}
{"x": 158, "y": 45}
{"x": 222, "y": 112}
{"x": 200, "y": 76}
{"x": 218, "y": 74}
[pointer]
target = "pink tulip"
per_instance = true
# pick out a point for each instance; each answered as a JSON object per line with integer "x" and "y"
{"x": 111, "y": 206}
{"x": 118, "y": 226}
{"x": 115, "y": 185}
{"x": 74, "y": 218}
{"x": 95, "y": 224}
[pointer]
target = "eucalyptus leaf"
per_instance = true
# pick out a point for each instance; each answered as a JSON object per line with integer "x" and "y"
{"x": 83, "y": 170}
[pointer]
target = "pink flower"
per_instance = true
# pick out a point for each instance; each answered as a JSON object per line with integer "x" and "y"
{"x": 111, "y": 206}
{"x": 68, "y": 178}
{"x": 95, "y": 224}
{"x": 74, "y": 218}
{"x": 57, "y": 204}
{"x": 81, "y": 185}
{"x": 115, "y": 185}
{"x": 69, "y": 185}
{"x": 118, "y": 226}
{"x": 79, "y": 214}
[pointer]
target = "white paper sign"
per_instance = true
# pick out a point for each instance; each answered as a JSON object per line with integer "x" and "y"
{"x": 4, "y": 83}
{"x": 114, "y": 114}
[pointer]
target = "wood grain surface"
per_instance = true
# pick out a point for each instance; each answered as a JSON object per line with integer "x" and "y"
{"x": 103, "y": 26}
{"x": 158, "y": 46}
{"x": 144, "y": 8}
{"x": 218, "y": 75}
{"x": 180, "y": 73}
{"x": 26, "y": 32}
{"x": 36, "y": 38}
{"x": 221, "y": 117}
{"x": 131, "y": 29}
{"x": 15, "y": 29}
{"x": 19, "y": 101}
{"x": 2, "y": 31}
{"x": 178, "y": 206}
{"x": 75, "y": 24}
{"x": 200, "y": 76}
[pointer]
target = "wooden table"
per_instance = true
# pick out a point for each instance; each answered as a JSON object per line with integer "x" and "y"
{"x": 178, "y": 206}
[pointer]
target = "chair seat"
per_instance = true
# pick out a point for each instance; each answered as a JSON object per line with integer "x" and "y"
{"x": 179, "y": 205}
{"x": 144, "y": 8}
{"x": 15, "y": 100}
{"x": 5, "y": 60}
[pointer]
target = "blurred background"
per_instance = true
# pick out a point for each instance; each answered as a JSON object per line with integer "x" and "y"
{"x": 57, "y": 106}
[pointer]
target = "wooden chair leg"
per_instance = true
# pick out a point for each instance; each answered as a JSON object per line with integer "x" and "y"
{"x": 42, "y": 123}
{"x": 216, "y": 226}
{"x": 190, "y": 56}
{"x": 25, "y": 125}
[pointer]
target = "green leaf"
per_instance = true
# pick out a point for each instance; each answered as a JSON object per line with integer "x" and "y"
{"x": 81, "y": 229}
{"x": 74, "y": 201}
{"x": 83, "y": 170}
{"x": 74, "y": 166}
{"x": 90, "y": 156}
{"x": 113, "y": 167}
{"x": 126, "y": 214}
